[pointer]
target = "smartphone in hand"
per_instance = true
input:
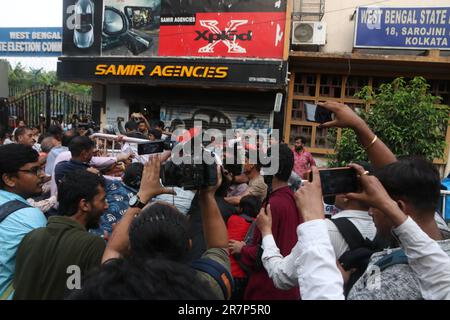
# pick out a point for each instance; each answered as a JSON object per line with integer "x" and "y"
{"x": 315, "y": 113}
{"x": 151, "y": 147}
{"x": 337, "y": 180}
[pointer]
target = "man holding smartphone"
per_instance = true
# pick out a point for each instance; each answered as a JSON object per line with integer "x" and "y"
{"x": 303, "y": 160}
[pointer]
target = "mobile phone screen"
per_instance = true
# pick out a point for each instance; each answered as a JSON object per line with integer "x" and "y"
{"x": 338, "y": 181}
{"x": 315, "y": 113}
{"x": 151, "y": 147}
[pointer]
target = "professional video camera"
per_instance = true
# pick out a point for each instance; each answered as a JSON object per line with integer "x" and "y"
{"x": 190, "y": 176}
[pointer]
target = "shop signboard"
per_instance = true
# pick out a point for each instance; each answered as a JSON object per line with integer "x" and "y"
{"x": 227, "y": 72}
{"x": 415, "y": 28}
{"x": 180, "y": 28}
{"x": 30, "y": 42}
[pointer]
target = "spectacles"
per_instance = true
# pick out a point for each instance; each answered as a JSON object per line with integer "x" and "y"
{"x": 36, "y": 171}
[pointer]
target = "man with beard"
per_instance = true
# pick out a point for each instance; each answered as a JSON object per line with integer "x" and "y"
{"x": 51, "y": 261}
{"x": 20, "y": 178}
{"x": 303, "y": 160}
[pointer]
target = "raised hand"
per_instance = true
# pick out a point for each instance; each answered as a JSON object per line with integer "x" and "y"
{"x": 309, "y": 199}
{"x": 375, "y": 195}
{"x": 345, "y": 116}
{"x": 264, "y": 221}
{"x": 150, "y": 183}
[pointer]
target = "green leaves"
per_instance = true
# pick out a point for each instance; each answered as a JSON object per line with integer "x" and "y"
{"x": 25, "y": 80}
{"x": 405, "y": 115}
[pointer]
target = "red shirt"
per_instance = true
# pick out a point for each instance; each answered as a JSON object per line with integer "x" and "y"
{"x": 303, "y": 161}
{"x": 285, "y": 219}
{"x": 237, "y": 229}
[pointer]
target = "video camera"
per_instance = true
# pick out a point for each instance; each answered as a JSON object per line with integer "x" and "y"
{"x": 190, "y": 176}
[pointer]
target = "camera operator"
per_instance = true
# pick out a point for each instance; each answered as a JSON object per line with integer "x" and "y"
{"x": 131, "y": 129}
{"x": 143, "y": 125}
{"x": 156, "y": 233}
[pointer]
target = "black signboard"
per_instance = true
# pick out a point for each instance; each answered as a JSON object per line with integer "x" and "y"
{"x": 82, "y": 27}
{"x": 194, "y": 6}
{"x": 219, "y": 73}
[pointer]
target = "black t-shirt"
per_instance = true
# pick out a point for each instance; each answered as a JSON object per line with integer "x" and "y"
{"x": 196, "y": 224}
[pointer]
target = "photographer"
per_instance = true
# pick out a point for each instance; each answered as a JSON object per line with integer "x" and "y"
{"x": 159, "y": 233}
{"x": 131, "y": 129}
{"x": 414, "y": 185}
{"x": 319, "y": 277}
{"x": 143, "y": 125}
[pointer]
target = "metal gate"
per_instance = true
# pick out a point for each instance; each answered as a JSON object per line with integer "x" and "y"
{"x": 48, "y": 103}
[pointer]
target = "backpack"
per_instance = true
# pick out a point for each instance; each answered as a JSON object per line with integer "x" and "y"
{"x": 218, "y": 272}
{"x": 249, "y": 235}
{"x": 5, "y": 210}
{"x": 396, "y": 257}
{"x": 10, "y": 207}
{"x": 360, "y": 250}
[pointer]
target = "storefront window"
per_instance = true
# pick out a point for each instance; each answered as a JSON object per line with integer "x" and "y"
{"x": 323, "y": 140}
{"x": 301, "y": 131}
{"x": 441, "y": 88}
{"x": 330, "y": 86}
{"x": 354, "y": 84}
{"x": 305, "y": 85}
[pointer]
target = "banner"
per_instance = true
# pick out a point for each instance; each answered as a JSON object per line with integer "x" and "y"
{"x": 30, "y": 42}
{"x": 263, "y": 74}
{"x": 82, "y": 27}
{"x": 403, "y": 28}
{"x": 179, "y": 28}
{"x": 257, "y": 34}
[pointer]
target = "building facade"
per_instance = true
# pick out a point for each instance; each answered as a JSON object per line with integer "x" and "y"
{"x": 222, "y": 63}
{"x": 409, "y": 43}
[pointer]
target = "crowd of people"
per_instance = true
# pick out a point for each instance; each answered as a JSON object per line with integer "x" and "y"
{"x": 76, "y": 224}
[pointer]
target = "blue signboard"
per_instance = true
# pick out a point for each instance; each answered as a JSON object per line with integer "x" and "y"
{"x": 30, "y": 42}
{"x": 403, "y": 28}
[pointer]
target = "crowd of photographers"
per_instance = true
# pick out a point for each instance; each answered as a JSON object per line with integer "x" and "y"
{"x": 78, "y": 224}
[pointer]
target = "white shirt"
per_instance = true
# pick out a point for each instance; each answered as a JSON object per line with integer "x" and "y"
{"x": 308, "y": 264}
{"x": 362, "y": 221}
{"x": 283, "y": 271}
{"x": 430, "y": 263}
{"x": 319, "y": 277}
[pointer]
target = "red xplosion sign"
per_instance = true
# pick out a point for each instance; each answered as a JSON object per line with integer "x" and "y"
{"x": 243, "y": 34}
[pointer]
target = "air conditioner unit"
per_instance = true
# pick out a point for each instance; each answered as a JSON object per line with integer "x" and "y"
{"x": 309, "y": 33}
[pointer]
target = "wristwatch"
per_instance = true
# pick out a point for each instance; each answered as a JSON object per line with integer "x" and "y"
{"x": 135, "y": 202}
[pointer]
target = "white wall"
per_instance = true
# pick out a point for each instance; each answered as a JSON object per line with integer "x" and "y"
{"x": 4, "y": 91}
{"x": 115, "y": 107}
{"x": 340, "y": 28}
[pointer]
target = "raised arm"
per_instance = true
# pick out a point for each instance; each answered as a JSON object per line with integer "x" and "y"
{"x": 379, "y": 154}
{"x": 318, "y": 275}
{"x": 150, "y": 188}
{"x": 214, "y": 228}
{"x": 425, "y": 257}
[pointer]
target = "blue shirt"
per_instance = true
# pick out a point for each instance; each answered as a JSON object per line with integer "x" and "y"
{"x": 68, "y": 166}
{"x": 12, "y": 230}
{"x": 118, "y": 196}
{"x": 49, "y": 166}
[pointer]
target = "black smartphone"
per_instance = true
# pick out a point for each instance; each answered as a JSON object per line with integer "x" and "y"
{"x": 337, "y": 181}
{"x": 151, "y": 147}
{"x": 315, "y": 113}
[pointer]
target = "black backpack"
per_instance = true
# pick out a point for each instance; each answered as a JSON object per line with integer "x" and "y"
{"x": 10, "y": 207}
{"x": 360, "y": 250}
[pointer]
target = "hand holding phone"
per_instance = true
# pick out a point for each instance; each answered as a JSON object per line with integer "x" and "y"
{"x": 151, "y": 147}
{"x": 337, "y": 180}
{"x": 308, "y": 198}
{"x": 317, "y": 113}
